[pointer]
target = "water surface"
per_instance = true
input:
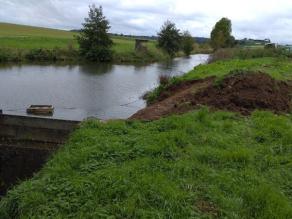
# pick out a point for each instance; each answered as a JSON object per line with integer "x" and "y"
{"x": 106, "y": 91}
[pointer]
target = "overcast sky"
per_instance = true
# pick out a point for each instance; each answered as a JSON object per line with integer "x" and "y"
{"x": 250, "y": 18}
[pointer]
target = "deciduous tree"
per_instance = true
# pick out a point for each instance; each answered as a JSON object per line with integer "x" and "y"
{"x": 221, "y": 34}
{"x": 187, "y": 43}
{"x": 169, "y": 38}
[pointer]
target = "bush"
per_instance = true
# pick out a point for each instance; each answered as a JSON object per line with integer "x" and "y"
{"x": 39, "y": 55}
{"x": 164, "y": 79}
{"x": 187, "y": 43}
{"x": 3, "y": 55}
{"x": 62, "y": 54}
{"x": 243, "y": 53}
{"x": 165, "y": 83}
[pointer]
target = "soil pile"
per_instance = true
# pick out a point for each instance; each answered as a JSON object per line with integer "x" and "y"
{"x": 242, "y": 92}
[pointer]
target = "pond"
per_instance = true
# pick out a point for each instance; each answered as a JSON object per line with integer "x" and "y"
{"x": 105, "y": 91}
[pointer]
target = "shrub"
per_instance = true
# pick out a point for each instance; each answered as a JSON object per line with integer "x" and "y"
{"x": 244, "y": 53}
{"x": 164, "y": 80}
{"x": 165, "y": 83}
{"x": 187, "y": 43}
{"x": 39, "y": 55}
{"x": 3, "y": 55}
{"x": 63, "y": 54}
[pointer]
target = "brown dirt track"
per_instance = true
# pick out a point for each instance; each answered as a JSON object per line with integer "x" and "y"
{"x": 243, "y": 92}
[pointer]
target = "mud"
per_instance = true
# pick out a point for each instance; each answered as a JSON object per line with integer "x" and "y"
{"x": 242, "y": 92}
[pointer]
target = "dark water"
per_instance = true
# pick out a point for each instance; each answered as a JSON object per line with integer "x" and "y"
{"x": 105, "y": 91}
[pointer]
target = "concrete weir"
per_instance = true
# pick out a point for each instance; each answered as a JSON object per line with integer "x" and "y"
{"x": 25, "y": 145}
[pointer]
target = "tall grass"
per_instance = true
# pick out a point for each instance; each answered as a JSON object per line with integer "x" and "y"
{"x": 199, "y": 165}
{"x": 247, "y": 53}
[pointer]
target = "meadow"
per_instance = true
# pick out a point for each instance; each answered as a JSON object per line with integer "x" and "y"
{"x": 18, "y": 40}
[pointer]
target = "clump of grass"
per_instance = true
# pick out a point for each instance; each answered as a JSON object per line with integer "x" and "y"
{"x": 198, "y": 165}
{"x": 165, "y": 83}
{"x": 164, "y": 80}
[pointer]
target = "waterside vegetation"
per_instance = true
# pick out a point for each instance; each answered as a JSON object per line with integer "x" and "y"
{"x": 20, "y": 43}
{"x": 35, "y": 44}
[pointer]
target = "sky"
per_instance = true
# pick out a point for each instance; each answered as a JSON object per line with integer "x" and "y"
{"x": 250, "y": 18}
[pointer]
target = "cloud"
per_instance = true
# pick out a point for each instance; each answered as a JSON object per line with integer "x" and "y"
{"x": 254, "y": 19}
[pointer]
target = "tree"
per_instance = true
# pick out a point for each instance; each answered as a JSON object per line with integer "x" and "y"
{"x": 94, "y": 41}
{"x": 169, "y": 38}
{"x": 221, "y": 34}
{"x": 187, "y": 43}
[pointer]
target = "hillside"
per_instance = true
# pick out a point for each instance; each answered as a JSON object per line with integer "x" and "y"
{"x": 15, "y": 30}
{"x": 27, "y": 43}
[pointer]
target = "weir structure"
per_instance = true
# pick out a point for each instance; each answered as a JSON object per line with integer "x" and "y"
{"x": 26, "y": 143}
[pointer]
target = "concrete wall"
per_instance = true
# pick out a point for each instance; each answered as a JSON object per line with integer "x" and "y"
{"x": 23, "y": 128}
{"x": 25, "y": 145}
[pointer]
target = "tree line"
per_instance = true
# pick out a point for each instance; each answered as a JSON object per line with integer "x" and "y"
{"x": 95, "y": 43}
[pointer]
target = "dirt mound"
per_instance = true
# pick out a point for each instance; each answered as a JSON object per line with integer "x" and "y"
{"x": 246, "y": 92}
{"x": 183, "y": 86}
{"x": 242, "y": 92}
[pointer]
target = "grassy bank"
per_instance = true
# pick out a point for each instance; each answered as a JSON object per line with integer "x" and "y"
{"x": 279, "y": 68}
{"x": 25, "y": 43}
{"x": 199, "y": 165}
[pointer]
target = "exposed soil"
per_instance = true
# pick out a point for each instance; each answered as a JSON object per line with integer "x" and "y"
{"x": 207, "y": 207}
{"x": 243, "y": 92}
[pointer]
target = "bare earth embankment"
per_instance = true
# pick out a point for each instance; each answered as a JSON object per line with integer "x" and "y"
{"x": 243, "y": 92}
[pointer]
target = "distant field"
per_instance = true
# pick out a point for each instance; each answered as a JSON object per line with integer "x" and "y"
{"x": 14, "y": 31}
{"x": 254, "y": 46}
{"x": 27, "y": 37}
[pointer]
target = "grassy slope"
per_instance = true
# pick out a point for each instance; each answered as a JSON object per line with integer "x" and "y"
{"x": 198, "y": 165}
{"x": 278, "y": 68}
{"x": 15, "y": 30}
{"x": 26, "y": 37}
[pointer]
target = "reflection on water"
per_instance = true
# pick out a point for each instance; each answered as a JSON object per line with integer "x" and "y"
{"x": 105, "y": 91}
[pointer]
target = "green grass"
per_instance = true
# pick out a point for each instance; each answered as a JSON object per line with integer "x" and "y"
{"x": 278, "y": 68}
{"x": 35, "y": 42}
{"x": 15, "y": 30}
{"x": 21, "y": 39}
{"x": 239, "y": 167}
{"x": 15, "y": 36}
